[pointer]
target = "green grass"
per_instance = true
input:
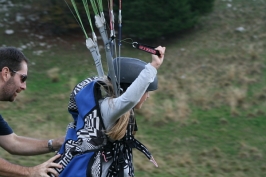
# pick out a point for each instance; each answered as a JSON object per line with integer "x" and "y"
{"x": 207, "y": 119}
{"x": 215, "y": 136}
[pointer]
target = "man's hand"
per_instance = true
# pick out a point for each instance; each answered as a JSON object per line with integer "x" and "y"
{"x": 43, "y": 169}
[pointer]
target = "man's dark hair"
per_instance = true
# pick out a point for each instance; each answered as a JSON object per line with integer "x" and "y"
{"x": 11, "y": 57}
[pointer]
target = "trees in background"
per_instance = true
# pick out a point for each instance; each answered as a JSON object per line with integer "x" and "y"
{"x": 142, "y": 19}
{"x": 153, "y": 18}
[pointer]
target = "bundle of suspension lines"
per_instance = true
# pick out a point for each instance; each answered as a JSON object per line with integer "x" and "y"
{"x": 110, "y": 45}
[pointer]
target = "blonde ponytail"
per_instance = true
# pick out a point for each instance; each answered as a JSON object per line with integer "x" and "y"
{"x": 118, "y": 131}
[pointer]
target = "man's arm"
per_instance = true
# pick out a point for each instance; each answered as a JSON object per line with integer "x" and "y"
{"x": 8, "y": 169}
{"x": 19, "y": 145}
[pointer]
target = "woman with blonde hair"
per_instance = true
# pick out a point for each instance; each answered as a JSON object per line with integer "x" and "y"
{"x": 101, "y": 138}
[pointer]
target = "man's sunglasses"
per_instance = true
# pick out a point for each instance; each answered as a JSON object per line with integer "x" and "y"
{"x": 23, "y": 77}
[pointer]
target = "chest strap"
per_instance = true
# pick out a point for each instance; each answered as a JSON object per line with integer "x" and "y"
{"x": 122, "y": 155}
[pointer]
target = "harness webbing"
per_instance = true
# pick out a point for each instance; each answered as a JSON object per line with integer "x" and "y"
{"x": 122, "y": 152}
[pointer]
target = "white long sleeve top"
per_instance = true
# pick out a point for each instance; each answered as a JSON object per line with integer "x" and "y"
{"x": 111, "y": 111}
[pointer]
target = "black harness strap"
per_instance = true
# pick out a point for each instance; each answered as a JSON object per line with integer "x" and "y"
{"x": 122, "y": 152}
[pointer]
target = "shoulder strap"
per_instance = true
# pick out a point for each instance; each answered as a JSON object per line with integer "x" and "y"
{"x": 123, "y": 156}
{"x": 87, "y": 133}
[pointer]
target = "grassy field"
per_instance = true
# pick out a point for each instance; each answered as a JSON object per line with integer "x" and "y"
{"x": 207, "y": 119}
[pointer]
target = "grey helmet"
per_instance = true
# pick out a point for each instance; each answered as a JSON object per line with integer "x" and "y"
{"x": 129, "y": 69}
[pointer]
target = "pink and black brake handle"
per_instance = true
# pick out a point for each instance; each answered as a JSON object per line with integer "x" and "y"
{"x": 146, "y": 48}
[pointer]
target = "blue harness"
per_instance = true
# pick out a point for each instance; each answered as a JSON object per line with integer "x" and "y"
{"x": 86, "y": 144}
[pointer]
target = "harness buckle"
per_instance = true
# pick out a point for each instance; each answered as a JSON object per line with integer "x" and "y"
{"x": 104, "y": 158}
{"x": 121, "y": 160}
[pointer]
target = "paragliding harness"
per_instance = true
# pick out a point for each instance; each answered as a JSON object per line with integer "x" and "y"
{"x": 86, "y": 144}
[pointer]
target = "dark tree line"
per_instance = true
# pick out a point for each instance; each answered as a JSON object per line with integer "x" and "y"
{"x": 149, "y": 18}
{"x": 142, "y": 19}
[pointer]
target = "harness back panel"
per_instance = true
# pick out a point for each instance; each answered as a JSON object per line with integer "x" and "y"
{"x": 86, "y": 144}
